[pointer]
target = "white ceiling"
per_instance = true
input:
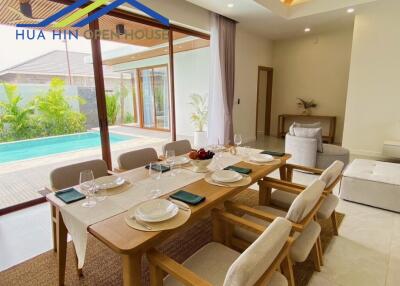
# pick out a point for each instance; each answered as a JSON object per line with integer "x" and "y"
{"x": 275, "y": 20}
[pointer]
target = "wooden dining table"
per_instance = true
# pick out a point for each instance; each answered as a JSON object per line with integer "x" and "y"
{"x": 132, "y": 244}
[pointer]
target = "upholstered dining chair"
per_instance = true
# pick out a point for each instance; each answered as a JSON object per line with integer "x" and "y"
{"x": 180, "y": 147}
{"x": 331, "y": 176}
{"x": 137, "y": 158}
{"x": 305, "y": 231}
{"x": 217, "y": 264}
{"x": 68, "y": 176}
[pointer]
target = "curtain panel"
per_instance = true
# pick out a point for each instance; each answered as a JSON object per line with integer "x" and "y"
{"x": 222, "y": 81}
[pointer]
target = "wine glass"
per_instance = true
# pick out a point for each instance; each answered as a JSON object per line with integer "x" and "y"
{"x": 155, "y": 173}
{"x": 86, "y": 181}
{"x": 238, "y": 140}
{"x": 170, "y": 159}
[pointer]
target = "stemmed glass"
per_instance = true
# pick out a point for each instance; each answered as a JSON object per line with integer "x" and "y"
{"x": 237, "y": 140}
{"x": 86, "y": 181}
{"x": 155, "y": 173}
{"x": 170, "y": 159}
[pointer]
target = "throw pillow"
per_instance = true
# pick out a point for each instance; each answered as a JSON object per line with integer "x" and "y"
{"x": 310, "y": 133}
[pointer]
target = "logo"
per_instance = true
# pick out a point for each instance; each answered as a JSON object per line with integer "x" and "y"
{"x": 75, "y": 20}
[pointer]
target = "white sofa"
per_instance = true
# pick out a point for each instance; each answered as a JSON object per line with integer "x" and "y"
{"x": 304, "y": 152}
{"x": 372, "y": 183}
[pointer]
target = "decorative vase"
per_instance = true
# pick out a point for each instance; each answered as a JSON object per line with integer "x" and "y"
{"x": 200, "y": 139}
{"x": 307, "y": 111}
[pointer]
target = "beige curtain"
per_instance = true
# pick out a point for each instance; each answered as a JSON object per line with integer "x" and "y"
{"x": 222, "y": 81}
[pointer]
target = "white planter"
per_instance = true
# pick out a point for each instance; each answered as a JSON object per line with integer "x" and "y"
{"x": 200, "y": 139}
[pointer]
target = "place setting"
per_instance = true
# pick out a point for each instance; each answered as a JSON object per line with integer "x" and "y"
{"x": 111, "y": 185}
{"x": 162, "y": 214}
{"x": 229, "y": 178}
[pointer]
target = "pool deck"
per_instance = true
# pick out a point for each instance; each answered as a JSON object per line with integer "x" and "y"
{"x": 20, "y": 181}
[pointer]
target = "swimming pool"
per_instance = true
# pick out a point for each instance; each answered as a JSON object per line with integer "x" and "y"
{"x": 28, "y": 149}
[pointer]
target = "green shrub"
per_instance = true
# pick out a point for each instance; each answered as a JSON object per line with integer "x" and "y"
{"x": 55, "y": 115}
{"x": 113, "y": 106}
{"x": 15, "y": 120}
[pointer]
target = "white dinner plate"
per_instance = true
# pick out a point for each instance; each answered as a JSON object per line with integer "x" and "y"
{"x": 181, "y": 160}
{"x": 261, "y": 158}
{"x": 109, "y": 182}
{"x": 156, "y": 210}
{"x": 226, "y": 176}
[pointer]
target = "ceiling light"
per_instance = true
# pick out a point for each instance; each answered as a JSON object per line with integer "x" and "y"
{"x": 307, "y": 30}
{"x": 231, "y": 5}
{"x": 350, "y": 10}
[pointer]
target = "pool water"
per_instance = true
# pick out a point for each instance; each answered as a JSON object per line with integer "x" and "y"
{"x": 28, "y": 149}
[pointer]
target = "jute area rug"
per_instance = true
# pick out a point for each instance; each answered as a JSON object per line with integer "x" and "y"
{"x": 103, "y": 267}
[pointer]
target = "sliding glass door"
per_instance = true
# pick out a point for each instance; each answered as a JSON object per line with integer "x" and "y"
{"x": 154, "y": 92}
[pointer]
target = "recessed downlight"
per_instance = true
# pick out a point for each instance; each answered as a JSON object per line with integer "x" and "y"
{"x": 350, "y": 10}
{"x": 307, "y": 30}
{"x": 230, "y": 5}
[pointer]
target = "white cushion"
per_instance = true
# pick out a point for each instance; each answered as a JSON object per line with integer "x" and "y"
{"x": 256, "y": 259}
{"x": 211, "y": 262}
{"x": 299, "y": 250}
{"x": 221, "y": 265}
{"x": 372, "y": 183}
{"x": 330, "y": 174}
{"x": 304, "y": 242}
{"x": 282, "y": 199}
{"x": 305, "y": 201}
{"x": 328, "y": 206}
{"x": 309, "y": 133}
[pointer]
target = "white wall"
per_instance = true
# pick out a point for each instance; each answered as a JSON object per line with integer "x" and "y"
{"x": 252, "y": 51}
{"x": 373, "y": 100}
{"x": 312, "y": 67}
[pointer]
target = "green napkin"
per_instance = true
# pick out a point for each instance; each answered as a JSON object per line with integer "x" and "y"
{"x": 273, "y": 153}
{"x": 188, "y": 198}
{"x": 69, "y": 196}
{"x": 240, "y": 170}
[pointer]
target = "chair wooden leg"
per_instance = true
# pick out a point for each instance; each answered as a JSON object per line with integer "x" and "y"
{"x": 320, "y": 251}
{"x": 54, "y": 226}
{"x": 334, "y": 223}
{"x": 264, "y": 195}
{"x": 287, "y": 270}
{"x": 315, "y": 257}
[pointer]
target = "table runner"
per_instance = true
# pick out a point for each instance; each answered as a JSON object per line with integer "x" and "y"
{"x": 77, "y": 218}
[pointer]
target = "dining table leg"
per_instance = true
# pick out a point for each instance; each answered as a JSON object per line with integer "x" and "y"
{"x": 132, "y": 269}
{"x": 62, "y": 234}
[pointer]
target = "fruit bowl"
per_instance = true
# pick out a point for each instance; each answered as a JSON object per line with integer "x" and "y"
{"x": 200, "y": 166}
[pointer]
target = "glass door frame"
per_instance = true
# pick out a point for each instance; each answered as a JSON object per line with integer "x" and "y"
{"x": 141, "y": 100}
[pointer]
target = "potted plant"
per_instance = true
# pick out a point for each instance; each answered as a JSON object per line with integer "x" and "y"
{"x": 306, "y": 105}
{"x": 199, "y": 119}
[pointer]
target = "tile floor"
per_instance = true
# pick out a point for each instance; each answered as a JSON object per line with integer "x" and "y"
{"x": 366, "y": 253}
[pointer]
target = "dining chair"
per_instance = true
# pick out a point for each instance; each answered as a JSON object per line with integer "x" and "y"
{"x": 68, "y": 176}
{"x": 137, "y": 158}
{"x": 305, "y": 230}
{"x": 180, "y": 147}
{"x": 331, "y": 176}
{"x": 217, "y": 264}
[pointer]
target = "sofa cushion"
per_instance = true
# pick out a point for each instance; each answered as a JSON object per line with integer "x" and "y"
{"x": 309, "y": 133}
{"x": 332, "y": 153}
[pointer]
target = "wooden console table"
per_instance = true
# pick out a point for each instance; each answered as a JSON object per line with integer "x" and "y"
{"x": 328, "y": 134}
